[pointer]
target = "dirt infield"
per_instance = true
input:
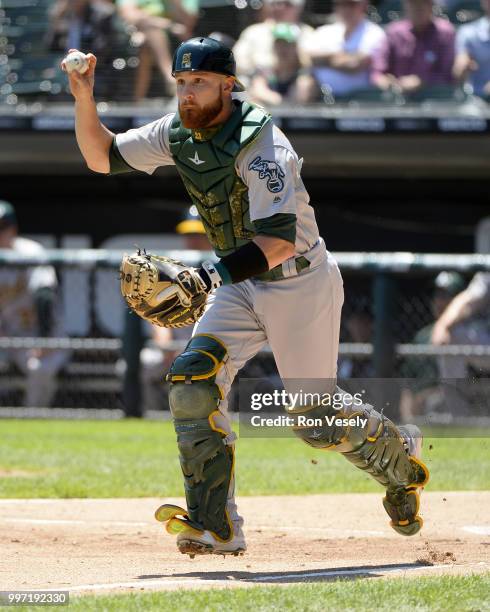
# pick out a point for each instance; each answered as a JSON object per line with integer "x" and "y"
{"x": 101, "y": 545}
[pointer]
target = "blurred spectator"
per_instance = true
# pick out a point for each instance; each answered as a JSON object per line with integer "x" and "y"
{"x": 425, "y": 370}
{"x": 254, "y": 50}
{"x": 192, "y": 228}
{"x": 418, "y": 51}
{"x": 155, "y": 20}
{"x": 359, "y": 327}
{"x": 446, "y": 286}
{"x": 28, "y": 303}
{"x": 223, "y": 15}
{"x": 284, "y": 81}
{"x": 466, "y": 321}
{"x": 341, "y": 52}
{"x": 81, "y": 24}
{"x": 87, "y": 25}
{"x": 473, "y": 53}
{"x": 221, "y": 37}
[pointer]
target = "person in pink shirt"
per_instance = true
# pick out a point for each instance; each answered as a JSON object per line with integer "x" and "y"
{"x": 418, "y": 51}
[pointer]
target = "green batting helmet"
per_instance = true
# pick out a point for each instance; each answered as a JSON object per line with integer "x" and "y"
{"x": 208, "y": 55}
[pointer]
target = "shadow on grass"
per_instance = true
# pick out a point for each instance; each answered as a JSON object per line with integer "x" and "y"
{"x": 304, "y": 576}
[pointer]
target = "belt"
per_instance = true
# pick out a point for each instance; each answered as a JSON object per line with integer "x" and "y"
{"x": 277, "y": 273}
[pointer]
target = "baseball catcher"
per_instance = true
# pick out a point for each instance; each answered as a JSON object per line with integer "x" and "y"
{"x": 275, "y": 283}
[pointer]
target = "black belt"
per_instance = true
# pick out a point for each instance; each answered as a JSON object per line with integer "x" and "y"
{"x": 277, "y": 272}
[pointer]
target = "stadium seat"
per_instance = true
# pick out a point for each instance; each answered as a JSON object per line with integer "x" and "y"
{"x": 436, "y": 93}
{"x": 29, "y": 69}
{"x": 370, "y": 94}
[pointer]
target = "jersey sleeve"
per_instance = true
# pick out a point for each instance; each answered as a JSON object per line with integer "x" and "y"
{"x": 479, "y": 290}
{"x": 41, "y": 277}
{"x": 145, "y": 148}
{"x": 271, "y": 172}
{"x": 270, "y": 169}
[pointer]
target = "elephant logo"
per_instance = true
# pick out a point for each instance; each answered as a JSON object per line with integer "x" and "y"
{"x": 269, "y": 170}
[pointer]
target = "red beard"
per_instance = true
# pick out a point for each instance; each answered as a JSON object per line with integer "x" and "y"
{"x": 200, "y": 116}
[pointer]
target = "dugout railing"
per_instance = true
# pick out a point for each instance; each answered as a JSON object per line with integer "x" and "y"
{"x": 391, "y": 289}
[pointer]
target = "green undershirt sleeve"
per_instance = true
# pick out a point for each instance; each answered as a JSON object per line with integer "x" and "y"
{"x": 281, "y": 225}
{"x": 118, "y": 165}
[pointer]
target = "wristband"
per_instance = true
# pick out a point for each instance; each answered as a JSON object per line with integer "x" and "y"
{"x": 249, "y": 260}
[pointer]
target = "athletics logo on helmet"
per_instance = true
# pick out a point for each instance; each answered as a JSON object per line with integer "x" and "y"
{"x": 207, "y": 55}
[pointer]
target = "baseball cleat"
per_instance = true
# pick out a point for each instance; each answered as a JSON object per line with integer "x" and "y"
{"x": 192, "y": 540}
{"x": 402, "y": 503}
{"x": 207, "y": 543}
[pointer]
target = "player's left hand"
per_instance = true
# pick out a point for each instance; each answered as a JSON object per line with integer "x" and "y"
{"x": 162, "y": 290}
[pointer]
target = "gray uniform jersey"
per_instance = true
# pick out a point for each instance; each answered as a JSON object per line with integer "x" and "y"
{"x": 269, "y": 167}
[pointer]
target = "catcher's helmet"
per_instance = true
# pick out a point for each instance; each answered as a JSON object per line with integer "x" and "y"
{"x": 205, "y": 54}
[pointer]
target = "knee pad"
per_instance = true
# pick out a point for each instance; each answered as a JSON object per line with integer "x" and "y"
{"x": 193, "y": 390}
{"x": 206, "y": 460}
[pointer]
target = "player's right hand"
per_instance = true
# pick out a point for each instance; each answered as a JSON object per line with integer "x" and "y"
{"x": 82, "y": 85}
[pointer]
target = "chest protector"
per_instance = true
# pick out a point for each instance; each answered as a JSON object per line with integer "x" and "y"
{"x": 206, "y": 162}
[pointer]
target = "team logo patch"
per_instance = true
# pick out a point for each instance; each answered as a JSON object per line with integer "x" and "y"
{"x": 269, "y": 170}
{"x": 187, "y": 60}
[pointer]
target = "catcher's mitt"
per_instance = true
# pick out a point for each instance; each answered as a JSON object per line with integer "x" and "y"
{"x": 162, "y": 290}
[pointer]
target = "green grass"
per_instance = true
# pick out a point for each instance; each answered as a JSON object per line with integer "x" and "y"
{"x": 133, "y": 458}
{"x": 445, "y": 594}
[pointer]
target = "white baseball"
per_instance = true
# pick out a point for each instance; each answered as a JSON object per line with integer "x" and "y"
{"x": 76, "y": 60}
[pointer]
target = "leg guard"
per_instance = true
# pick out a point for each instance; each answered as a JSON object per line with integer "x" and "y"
{"x": 205, "y": 458}
{"x": 377, "y": 447}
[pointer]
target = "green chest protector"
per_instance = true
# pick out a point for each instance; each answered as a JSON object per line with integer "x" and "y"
{"x": 205, "y": 159}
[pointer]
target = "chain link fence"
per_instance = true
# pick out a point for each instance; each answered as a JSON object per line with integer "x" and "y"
{"x": 97, "y": 355}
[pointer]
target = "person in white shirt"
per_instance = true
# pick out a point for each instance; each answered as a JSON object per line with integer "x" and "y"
{"x": 29, "y": 307}
{"x": 254, "y": 50}
{"x": 289, "y": 80}
{"x": 466, "y": 320}
{"x": 341, "y": 52}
